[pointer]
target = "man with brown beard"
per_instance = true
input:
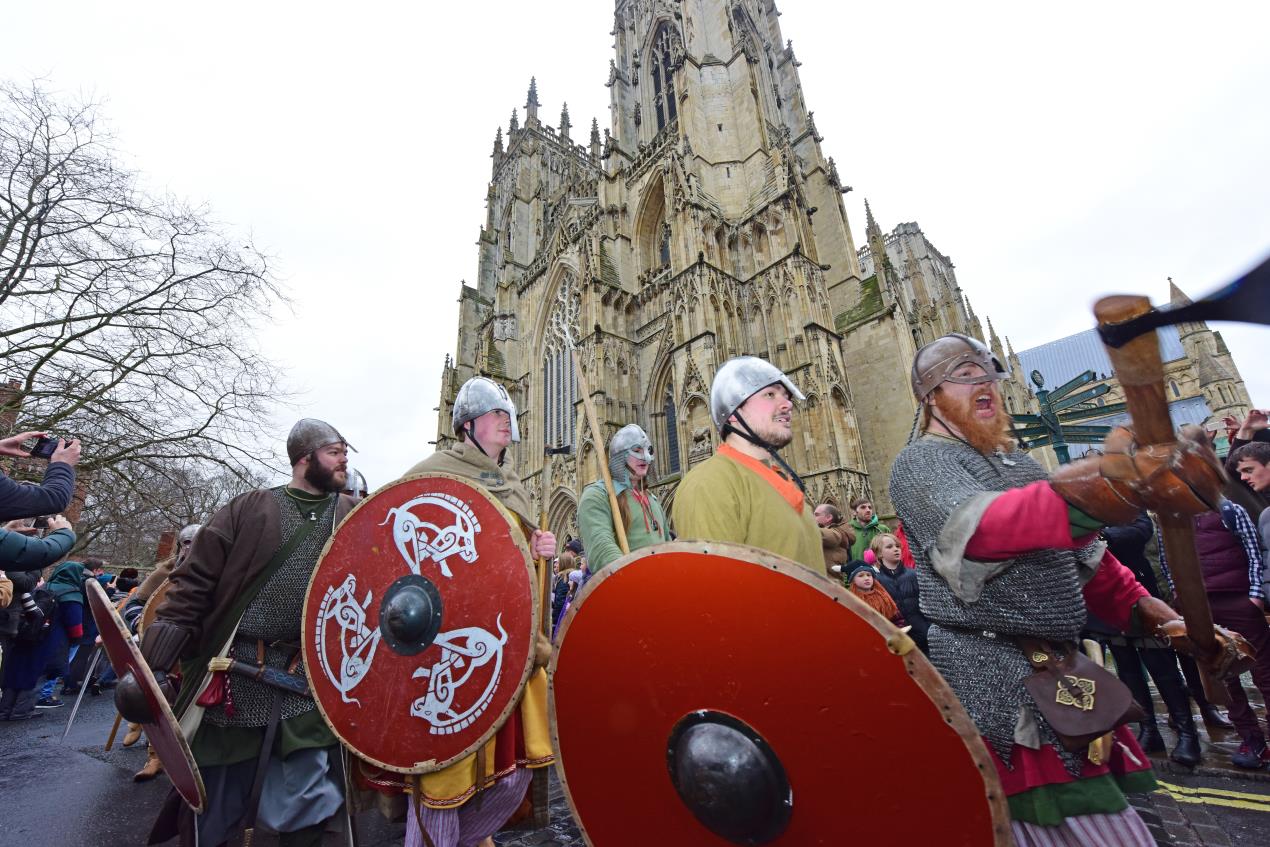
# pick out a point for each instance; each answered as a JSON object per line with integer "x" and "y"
{"x": 266, "y": 756}
{"x": 1007, "y": 563}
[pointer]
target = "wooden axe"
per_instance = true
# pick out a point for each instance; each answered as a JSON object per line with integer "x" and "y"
{"x": 1127, "y": 325}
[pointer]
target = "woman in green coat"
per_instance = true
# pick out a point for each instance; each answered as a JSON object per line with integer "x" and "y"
{"x": 630, "y": 459}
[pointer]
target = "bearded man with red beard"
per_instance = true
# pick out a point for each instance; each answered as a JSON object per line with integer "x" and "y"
{"x": 1007, "y": 562}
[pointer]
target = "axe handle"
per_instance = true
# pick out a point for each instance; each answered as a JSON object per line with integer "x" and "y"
{"x": 1140, "y": 372}
{"x": 597, "y": 438}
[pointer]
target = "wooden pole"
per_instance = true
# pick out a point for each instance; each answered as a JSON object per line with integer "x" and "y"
{"x": 544, "y": 580}
{"x": 1139, "y": 370}
{"x": 589, "y": 407}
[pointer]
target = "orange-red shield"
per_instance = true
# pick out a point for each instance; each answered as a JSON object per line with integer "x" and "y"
{"x": 164, "y": 734}
{"x": 734, "y": 697}
{"x": 419, "y": 623}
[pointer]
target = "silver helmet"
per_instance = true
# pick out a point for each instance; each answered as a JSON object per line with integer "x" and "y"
{"x": 311, "y": 434}
{"x": 630, "y": 440}
{"x": 738, "y": 380}
{"x": 184, "y": 539}
{"x": 355, "y": 485}
{"x": 480, "y": 395}
{"x": 936, "y": 361}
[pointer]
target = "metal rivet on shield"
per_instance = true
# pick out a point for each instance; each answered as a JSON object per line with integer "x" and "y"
{"x": 729, "y": 778}
{"x": 410, "y": 614}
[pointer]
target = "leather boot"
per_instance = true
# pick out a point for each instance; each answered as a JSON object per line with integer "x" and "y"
{"x": 1149, "y": 736}
{"x": 1187, "y": 751}
{"x": 152, "y": 768}
{"x": 133, "y": 735}
{"x": 1212, "y": 718}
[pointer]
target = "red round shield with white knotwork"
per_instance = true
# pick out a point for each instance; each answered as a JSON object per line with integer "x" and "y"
{"x": 164, "y": 732}
{"x": 736, "y": 697}
{"x": 419, "y": 623}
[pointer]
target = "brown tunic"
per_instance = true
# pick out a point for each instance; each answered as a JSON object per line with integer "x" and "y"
{"x": 228, "y": 553}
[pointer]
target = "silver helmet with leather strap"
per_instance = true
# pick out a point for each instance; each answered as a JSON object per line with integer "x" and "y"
{"x": 738, "y": 380}
{"x": 630, "y": 440}
{"x": 481, "y": 395}
{"x": 311, "y": 434}
{"x": 935, "y": 363}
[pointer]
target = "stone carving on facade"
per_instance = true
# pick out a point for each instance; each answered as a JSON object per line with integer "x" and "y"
{"x": 504, "y": 327}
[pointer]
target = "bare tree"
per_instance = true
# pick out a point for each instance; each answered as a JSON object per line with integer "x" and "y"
{"x": 127, "y": 318}
{"x": 124, "y": 527}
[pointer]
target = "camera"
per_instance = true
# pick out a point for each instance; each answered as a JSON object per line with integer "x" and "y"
{"x": 44, "y": 447}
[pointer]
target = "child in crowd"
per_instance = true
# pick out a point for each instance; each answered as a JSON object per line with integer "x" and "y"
{"x": 861, "y": 582}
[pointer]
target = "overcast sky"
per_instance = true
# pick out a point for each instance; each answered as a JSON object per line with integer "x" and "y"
{"x": 1055, "y": 153}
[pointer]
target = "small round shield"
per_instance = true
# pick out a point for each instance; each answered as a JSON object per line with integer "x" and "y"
{"x": 739, "y": 698}
{"x": 165, "y": 733}
{"x": 419, "y": 623}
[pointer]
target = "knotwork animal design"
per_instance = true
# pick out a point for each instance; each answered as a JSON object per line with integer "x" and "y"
{"x": 357, "y": 642}
{"x": 468, "y": 648}
{"x": 420, "y": 540}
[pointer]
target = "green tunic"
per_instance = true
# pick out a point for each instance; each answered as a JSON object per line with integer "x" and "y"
{"x": 595, "y": 522}
{"x": 721, "y": 500}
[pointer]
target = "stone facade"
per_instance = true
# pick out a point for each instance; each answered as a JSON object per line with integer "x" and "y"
{"x": 706, "y": 222}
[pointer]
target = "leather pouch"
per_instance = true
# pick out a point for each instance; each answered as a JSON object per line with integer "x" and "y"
{"x": 1079, "y": 700}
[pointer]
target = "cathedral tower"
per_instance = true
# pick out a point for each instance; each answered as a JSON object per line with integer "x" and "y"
{"x": 706, "y": 224}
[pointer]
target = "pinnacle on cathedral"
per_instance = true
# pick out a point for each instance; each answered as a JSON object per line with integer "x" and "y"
{"x": 531, "y": 102}
{"x": 565, "y": 123}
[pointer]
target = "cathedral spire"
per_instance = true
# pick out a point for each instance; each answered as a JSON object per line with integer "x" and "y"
{"x": 565, "y": 123}
{"x": 994, "y": 342}
{"x": 1176, "y": 295}
{"x": 870, "y": 225}
{"x": 498, "y": 143}
{"x": 531, "y": 103}
{"x": 515, "y": 123}
{"x": 596, "y": 146}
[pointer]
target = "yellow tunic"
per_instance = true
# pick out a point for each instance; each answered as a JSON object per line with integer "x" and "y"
{"x": 721, "y": 500}
{"x": 455, "y": 785}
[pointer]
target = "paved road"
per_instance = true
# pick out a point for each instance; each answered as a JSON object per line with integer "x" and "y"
{"x": 77, "y": 794}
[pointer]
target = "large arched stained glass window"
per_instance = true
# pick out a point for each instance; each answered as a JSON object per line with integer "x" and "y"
{"x": 663, "y": 78}
{"x": 559, "y": 381}
{"x": 672, "y": 433}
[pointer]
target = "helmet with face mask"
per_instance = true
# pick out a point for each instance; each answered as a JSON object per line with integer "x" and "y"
{"x": 356, "y": 485}
{"x": 737, "y": 381}
{"x": 311, "y": 434}
{"x": 629, "y": 441}
{"x": 478, "y": 396}
{"x": 935, "y": 363}
{"x": 185, "y": 538}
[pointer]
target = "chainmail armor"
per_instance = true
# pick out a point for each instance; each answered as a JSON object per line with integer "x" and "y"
{"x": 274, "y": 616}
{"x": 1038, "y": 594}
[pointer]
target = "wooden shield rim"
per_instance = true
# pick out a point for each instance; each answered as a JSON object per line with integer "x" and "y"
{"x": 928, "y": 679}
{"x": 516, "y": 535}
{"x": 150, "y": 609}
{"x": 104, "y": 604}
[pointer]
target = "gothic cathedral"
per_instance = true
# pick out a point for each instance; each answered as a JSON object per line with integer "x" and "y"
{"x": 706, "y": 223}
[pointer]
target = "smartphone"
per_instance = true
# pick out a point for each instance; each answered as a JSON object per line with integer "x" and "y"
{"x": 44, "y": 448}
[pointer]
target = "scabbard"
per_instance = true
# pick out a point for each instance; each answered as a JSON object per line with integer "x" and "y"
{"x": 283, "y": 681}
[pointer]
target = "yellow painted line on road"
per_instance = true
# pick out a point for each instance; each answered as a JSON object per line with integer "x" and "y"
{"x": 1217, "y": 797}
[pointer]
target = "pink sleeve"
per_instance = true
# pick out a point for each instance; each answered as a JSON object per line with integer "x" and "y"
{"x": 1110, "y": 595}
{"x": 1020, "y": 521}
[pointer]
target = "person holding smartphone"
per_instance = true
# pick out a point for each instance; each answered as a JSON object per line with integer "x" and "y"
{"x": 53, "y": 494}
